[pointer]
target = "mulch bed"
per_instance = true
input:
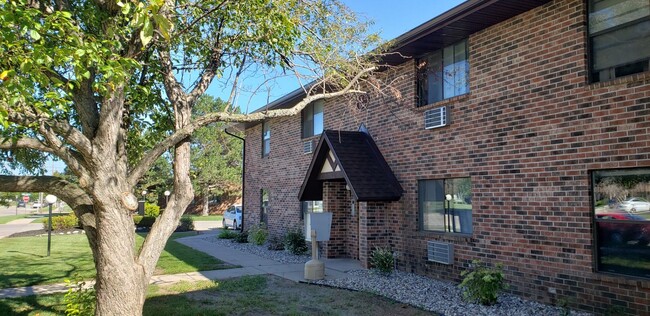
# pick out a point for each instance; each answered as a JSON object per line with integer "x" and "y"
{"x": 40, "y": 232}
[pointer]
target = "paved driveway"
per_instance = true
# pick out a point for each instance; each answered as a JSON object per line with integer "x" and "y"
{"x": 17, "y": 226}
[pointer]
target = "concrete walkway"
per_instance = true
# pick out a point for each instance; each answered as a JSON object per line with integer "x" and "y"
{"x": 18, "y": 226}
{"x": 250, "y": 265}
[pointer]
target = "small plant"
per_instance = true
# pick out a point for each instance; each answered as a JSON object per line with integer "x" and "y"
{"x": 482, "y": 284}
{"x": 294, "y": 241}
{"x": 65, "y": 222}
{"x": 241, "y": 238}
{"x": 227, "y": 234}
{"x": 152, "y": 210}
{"x": 276, "y": 243}
{"x": 257, "y": 234}
{"x": 143, "y": 221}
{"x": 79, "y": 300}
{"x": 382, "y": 260}
{"x": 563, "y": 303}
{"x": 186, "y": 224}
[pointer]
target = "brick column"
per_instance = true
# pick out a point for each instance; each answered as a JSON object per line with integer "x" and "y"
{"x": 336, "y": 200}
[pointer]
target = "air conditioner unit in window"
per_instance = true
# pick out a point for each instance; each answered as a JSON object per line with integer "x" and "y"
{"x": 440, "y": 252}
{"x": 435, "y": 117}
{"x": 307, "y": 147}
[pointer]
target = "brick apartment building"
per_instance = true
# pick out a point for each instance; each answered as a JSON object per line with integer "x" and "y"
{"x": 521, "y": 134}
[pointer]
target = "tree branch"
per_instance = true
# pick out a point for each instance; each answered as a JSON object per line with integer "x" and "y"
{"x": 70, "y": 134}
{"x": 67, "y": 191}
{"x": 30, "y": 143}
{"x": 180, "y": 134}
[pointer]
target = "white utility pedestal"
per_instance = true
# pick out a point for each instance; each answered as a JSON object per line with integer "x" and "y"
{"x": 314, "y": 268}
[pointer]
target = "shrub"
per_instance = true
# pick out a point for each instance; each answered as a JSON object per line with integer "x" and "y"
{"x": 257, "y": 234}
{"x": 152, "y": 210}
{"x": 241, "y": 237}
{"x": 79, "y": 300}
{"x": 276, "y": 243}
{"x": 186, "y": 224}
{"x": 227, "y": 234}
{"x": 482, "y": 284}
{"x": 64, "y": 222}
{"x": 294, "y": 241}
{"x": 382, "y": 260}
{"x": 143, "y": 221}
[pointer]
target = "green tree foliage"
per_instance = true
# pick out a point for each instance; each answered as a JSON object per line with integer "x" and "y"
{"x": 216, "y": 156}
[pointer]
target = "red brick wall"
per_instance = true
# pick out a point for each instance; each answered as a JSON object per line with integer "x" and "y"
{"x": 528, "y": 133}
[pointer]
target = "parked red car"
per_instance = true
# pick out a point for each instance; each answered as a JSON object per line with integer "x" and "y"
{"x": 611, "y": 232}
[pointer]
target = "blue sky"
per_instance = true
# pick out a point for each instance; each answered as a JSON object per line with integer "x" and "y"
{"x": 391, "y": 19}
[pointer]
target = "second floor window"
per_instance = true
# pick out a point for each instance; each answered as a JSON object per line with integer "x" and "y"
{"x": 443, "y": 74}
{"x": 266, "y": 139}
{"x": 619, "y": 34}
{"x": 312, "y": 119}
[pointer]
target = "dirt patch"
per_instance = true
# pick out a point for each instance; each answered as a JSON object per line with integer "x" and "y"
{"x": 39, "y": 232}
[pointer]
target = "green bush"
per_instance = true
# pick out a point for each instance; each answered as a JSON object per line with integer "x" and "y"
{"x": 276, "y": 243}
{"x": 64, "y": 222}
{"x": 257, "y": 234}
{"x": 241, "y": 238}
{"x": 79, "y": 300}
{"x": 227, "y": 234}
{"x": 294, "y": 241}
{"x": 152, "y": 210}
{"x": 186, "y": 224}
{"x": 482, "y": 284}
{"x": 382, "y": 260}
{"x": 143, "y": 221}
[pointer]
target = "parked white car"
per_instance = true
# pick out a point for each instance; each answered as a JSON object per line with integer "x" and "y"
{"x": 635, "y": 205}
{"x": 232, "y": 217}
{"x": 37, "y": 205}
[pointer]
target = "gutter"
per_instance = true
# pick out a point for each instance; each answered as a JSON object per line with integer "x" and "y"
{"x": 243, "y": 174}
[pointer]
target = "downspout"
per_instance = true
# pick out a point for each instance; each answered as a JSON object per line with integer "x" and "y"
{"x": 243, "y": 176}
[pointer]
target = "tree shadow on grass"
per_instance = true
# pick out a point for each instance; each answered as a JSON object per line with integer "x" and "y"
{"x": 44, "y": 304}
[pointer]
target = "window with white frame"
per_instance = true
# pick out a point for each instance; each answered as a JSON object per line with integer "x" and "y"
{"x": 443, "y": 74}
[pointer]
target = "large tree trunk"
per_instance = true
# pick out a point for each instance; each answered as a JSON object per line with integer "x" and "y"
{"x": 121, "y": 283}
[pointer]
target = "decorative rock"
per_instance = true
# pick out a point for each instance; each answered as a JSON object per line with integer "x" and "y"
{"x": 413, "y": 289}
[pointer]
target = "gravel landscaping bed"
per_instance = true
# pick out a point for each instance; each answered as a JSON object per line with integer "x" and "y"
{"x": 262, "y": 251}
{"x": 426, "y": 293}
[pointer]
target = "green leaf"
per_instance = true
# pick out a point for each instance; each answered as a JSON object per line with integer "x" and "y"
{"x": 163, "y": 25}
{"x": 146, "y": 34}
{"x": 34, "y": 35}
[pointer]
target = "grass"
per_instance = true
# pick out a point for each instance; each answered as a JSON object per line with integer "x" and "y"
{"x": 210, "y": 218}
{"x": 71, "y": 258}
{"x": 249, "y": 295}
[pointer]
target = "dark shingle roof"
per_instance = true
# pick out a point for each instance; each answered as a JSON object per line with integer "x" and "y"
{"x": 364, "y": 168}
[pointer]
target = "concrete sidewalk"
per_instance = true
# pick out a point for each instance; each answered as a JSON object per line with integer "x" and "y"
{"x": 18, "y": 226}
{"x": 250, "y": 265}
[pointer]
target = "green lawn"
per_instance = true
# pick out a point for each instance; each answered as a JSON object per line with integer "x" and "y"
{"x": 27, "y": 263}
{"x": 249, "y": 295}
{"x": 7, "y": 219}
{"x": 199, "y": 218}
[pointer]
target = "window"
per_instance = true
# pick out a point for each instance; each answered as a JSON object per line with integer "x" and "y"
{"x": 443, "y": 74}
{"x": 619, "y": 33}
{"x": 446, "y": 205}
{"x": 266, "y": 139}
{"x": 312, "y": 119}
{"x": 622, "y": 220}
{"x": 264, "y": 205}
